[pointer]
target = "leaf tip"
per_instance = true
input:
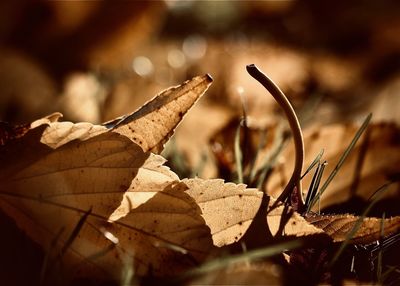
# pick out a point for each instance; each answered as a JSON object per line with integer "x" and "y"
{"x": 208, "y": 78}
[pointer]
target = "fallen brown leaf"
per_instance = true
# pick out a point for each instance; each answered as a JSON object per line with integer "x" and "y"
{"x": 373, "y": 161}
{"x": 180, "y": 223}
{"x": 47, "y": 191}
{"x": 282, "y": 220}
{"x": 163, "y": 236}
{"x": 228, "y": 209}
{"x": 81, "y": 190}
{"x": 149, "y": 127}
{"x": 59, "y": 175}
{"x": 339, "y": 226}
{"x": 152, "y": 125}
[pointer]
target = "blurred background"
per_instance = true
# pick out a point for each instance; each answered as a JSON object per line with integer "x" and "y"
{"x": 96, "y": 60}
{"x": 93, "y": 61}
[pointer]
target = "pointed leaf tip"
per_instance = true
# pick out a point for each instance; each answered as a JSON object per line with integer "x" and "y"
{"x": 154, "y": 123}
{"x": 208, "y": 77}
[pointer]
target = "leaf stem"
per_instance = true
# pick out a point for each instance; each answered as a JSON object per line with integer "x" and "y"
{"x": 294, "y": 124}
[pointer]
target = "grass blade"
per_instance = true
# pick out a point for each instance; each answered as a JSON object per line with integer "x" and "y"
{"x": 75, "y": 231}
{"x": 47, "y": 257}
{"x": 358, "y": 223}
{"x": 247, "y": 256}
{"x": 316, "y": 160}
{"x": 342, "y": 159}
{"x": 315, "y": 185}
{"x": 238, "y": 155}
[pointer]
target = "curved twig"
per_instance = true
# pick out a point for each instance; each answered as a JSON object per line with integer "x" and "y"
{"x": 294, "y": 126}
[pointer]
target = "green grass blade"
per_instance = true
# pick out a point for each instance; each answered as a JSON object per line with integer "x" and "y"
{"x": 342, "y": 159}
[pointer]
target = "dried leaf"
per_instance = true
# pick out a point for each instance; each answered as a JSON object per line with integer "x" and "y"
{"x": 374, "y": 160}
{"x": 149, "y": 181}
{"x": 179, "y": 217}
{"x": 339, "y": 226}
{"x": 181, "y": 222}
{"x": 9, "y": 132}
{"x": 164, "y": 236}
{"x": 82, "y": 179}
{"x": 54, "y": 117}
{"x": 149, "y": 127}
{"x": 60, "y": 133}
{"x": 227, "y": 208}
{"x": 152, "y": 125}
{"x": 283, "y": 220}
{"x": 159, "y": 220}
{"x": 47, "y": 191}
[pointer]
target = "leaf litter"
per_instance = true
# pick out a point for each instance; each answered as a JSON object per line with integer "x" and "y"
{"x": 97, "y": 195}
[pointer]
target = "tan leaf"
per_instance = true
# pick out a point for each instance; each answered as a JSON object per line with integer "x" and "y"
{"x": 9, "y": 132}
{"x": 181, "y": 222}
{"x": 339, "y": 226}
{"x": 60, "y": 133}
{"x": 152, "y": 125}
{"x": 373, "y": 161}
{"x": 54, "y": 117}
{"x": 151, "y": 178}
{"x": 282, "y": 220}
{"x": 164, "y": 236}
{"x": 149, "y": 127}
{"x": 227, "y": 208}
{"x": 47, "y": 191}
